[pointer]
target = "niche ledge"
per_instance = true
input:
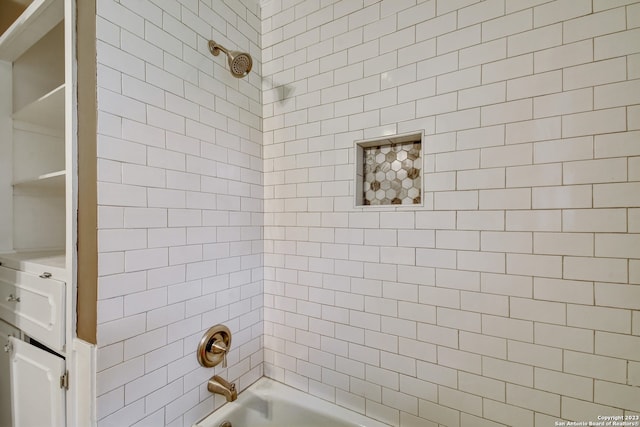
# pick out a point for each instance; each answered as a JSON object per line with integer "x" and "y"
{"x": 389, "y": 171}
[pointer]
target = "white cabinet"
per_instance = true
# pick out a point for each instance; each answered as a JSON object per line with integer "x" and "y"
{"x": 37, "y": 386}
{"x": 6, "y": 331}
{"x": 36, "y": 202}
{"x": 33, "y": 130}
{"x": 33, "y": 304}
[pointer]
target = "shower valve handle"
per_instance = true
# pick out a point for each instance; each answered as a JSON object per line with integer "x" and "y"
{"x": 221, "y": 347}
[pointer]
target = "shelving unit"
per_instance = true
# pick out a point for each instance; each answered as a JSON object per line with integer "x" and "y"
{"x": 36, "y": 21}
{"x": 34, "y": 132}
{"x": 35, "y": 205}
{"x": 48, "y": 182}
{"x": 44, "y": 111}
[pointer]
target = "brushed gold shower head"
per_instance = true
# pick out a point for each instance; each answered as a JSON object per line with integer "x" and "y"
{"x": 240, "y": 63}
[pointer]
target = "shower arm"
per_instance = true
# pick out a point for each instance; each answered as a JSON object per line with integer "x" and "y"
{"x": 215, "y": 48}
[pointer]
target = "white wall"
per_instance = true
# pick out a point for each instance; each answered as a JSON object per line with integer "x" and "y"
{"x": 180, "y": 206}
{"x": 513, "y": 296}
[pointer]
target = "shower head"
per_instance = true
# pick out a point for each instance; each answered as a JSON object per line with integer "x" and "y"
{"x": 239, "y": 62}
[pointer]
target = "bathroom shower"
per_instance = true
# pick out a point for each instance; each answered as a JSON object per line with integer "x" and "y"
{"x": 239, "y": 62}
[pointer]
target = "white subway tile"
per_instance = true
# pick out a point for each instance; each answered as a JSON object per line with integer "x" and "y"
{"x": 619, "y": 296}
{"x": 121, "y": 329}
{"x": 563, "y": 56}
{"x": 561, "y": 10}
{"x": 481, "y": 386}
{"x": 144, "y": 343}
{"x": 534, "y": 40}
{"x": 436, "y": 105}
{"x": 593, "y": 25}
{"x": 601, "y": 269}
{"x": 458, "y": 80}
{"x": 507, "y": 69}
{"x": 433, "y": 27}
{"x": 481, "y": 261}
{"x": 481, "y": 220}
{"x": 507, "y": 112}
{"x": 517, "y": 242}
{"x": 144, "y": 259}
{"x": 483, "y": 53}
{"x": 457, "y": 160}
{"x": 594, "y": 220}
{"x": 438, "y": 65}
{"x": 599, "y": 318}
{"x": 563, "y": 103}
{"x": 563, "y": 290}
{"x": 594, "y": 73}
{"x": 595, "y": 171}
{"x": 534, "y": 220}
{"x": 617, "y": 44}
{"x": 568, "y": 196}
{"x": 536, "y": 400}
{"x": 457, "y": 359}
{"x": 589, "y": 365}
{"x": 535, "y": 175}
{"x": 578, "y": 409}
{"x": 536, "y": 85}
{"x": 439, "y": 296}
{"x": 507, "y": 328}
{"x": 454, "y": 200}
{"x": 623, "y": 396}
{"x": 512, "y": 23}
{"x": 565, "y": 384}
{"x": 517, "y": 198}
{"x": 533, "y": 130}
{"x": 512, "y": 372}
{"x": 481, "y": 178}
{"x": 563, "y": 244}
{"x": 536, "y": 355}
{"x": 511, "y": 155}
{"x": 617, "y": 345}
{"x": 121, "y": 240}
{"x": 460, "y": 400}
{"x": 564, "y": 337}
{"x": 563, "y": 150}
{"x": 616, "y": 195}
{"x": 450, "y": 239}
{"x": 482, "y": 95}
{"x": 507, "y": 414}
{"x": 633, "y": 112}
{"x": 540, "y": 311}
{"x": 440, "y": 414}
{"x": 595, "y": 122}
{"x": 459, "y": 120}
{"x": 617, "y": 94}
{"x": 634, "y": 271}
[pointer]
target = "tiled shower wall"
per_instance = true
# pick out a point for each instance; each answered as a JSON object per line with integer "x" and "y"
{"x": 513, "y": 296}
{"x": 180, "y": 206}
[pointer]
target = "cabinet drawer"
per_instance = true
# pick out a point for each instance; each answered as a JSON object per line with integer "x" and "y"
{"x": 33, "y": 304}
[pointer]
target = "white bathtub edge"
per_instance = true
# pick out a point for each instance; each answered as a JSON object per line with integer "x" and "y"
{"x": 265, "y": 387}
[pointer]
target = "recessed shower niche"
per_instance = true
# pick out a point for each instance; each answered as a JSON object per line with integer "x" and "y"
{"x": 389, "y": 171}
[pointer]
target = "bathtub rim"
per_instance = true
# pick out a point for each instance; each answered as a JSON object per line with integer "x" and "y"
{"x": 266, "y": 386}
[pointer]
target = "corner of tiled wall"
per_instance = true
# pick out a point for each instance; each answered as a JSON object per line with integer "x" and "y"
{"x": 180, "y": 205}
{"x": 513, "y": 296}
{"x": 510, "y": 298}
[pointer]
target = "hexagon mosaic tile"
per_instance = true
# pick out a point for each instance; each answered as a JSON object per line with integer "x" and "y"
{"x": 393, "y": 174}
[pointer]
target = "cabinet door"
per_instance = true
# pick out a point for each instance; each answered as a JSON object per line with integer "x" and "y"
{"x": 33, "y": 304}
{"x": 36, "y": 396}
{"x": 6, "y": 331}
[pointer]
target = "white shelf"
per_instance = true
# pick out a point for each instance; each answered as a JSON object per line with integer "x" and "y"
{"x": 36, "y": 21}
{"x": 37, "y": 262}
{"x": 48, "y": 110}
{"x": 50, "y": 182}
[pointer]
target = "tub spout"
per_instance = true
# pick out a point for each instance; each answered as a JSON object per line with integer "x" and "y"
{"x": 221, "y": 386}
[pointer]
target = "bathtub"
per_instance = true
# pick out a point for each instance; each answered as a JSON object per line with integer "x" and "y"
{"x": 268, "y": 403}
